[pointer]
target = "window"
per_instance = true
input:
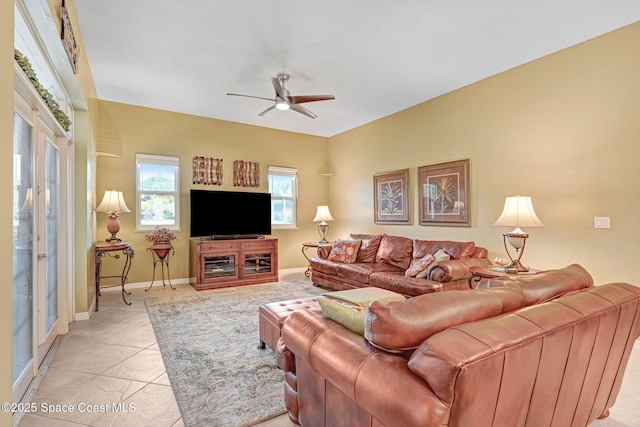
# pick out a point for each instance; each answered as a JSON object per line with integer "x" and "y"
{"x": 283, "y": 186}
{"x": 157, "y": 192}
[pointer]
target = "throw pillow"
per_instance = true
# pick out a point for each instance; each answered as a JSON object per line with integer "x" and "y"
{"x": 419, "y": 265}
{"x": 437, "y": 257}
{"x": 349, "y": 308}
{"x": 344, "y": 251}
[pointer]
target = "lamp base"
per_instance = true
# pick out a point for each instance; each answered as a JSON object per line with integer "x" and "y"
{"x": 515, "y": 267}
{"x": 113, "y": 226}
{"x": 323, "y": 228}
{"x": 518, "y": 240}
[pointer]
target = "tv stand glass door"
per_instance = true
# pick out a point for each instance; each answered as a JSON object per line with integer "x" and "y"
{"x": 216, "y": 266}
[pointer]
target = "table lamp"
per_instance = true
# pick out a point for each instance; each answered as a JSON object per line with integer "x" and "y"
{"x": 518, "y": 212}
{"x": 113, "y": 203}
{"x": 323, "y": 214}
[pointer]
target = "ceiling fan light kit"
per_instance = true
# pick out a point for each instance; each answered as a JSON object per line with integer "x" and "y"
{"x": 282, "y": 105}
{"x": 284, "y": 101}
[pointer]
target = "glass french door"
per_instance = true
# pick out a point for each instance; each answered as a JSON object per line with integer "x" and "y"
{"x": 47, "y": 258}
{"x": 23, "y": 241}
{"x": 36, "y": 178}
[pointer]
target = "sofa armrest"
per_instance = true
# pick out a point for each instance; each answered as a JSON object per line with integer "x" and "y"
{"x": 381, "y": 383}
{"x": 455, "y": 269}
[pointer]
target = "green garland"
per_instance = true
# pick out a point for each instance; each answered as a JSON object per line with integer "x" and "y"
{"x": 46, "y": 96}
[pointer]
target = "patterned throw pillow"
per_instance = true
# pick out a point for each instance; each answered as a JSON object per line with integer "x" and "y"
{"x": 419, "y": 265}
{"x": 344, "y": 251}
{"x": 438, "y": 256}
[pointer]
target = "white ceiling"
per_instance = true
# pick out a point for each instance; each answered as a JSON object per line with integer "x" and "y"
{"x": 376, "y": 56}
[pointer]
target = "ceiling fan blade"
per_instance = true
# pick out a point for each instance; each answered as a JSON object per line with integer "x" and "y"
{"x": 300, "y": 109}
{"x": 267, "y": 110}
{"x": 310, "y": 98}
{"x": 251, "y": 96}
{"x": 278, "y": 88}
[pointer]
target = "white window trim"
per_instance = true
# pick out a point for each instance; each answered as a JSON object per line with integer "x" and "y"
{"x": 290, "y": 172}
{"x": 157, "y": 160}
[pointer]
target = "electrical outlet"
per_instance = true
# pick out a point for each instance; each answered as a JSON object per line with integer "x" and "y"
{"x": 601, "y": 222}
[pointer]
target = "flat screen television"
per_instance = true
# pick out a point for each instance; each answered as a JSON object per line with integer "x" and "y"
{"x": 229, "y": 214}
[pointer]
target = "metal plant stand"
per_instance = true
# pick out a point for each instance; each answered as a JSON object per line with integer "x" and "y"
{"x": 160, "y": 254}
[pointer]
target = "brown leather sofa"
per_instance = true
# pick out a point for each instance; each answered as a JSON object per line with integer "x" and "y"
{"x": 542, "y": 350}
{"x": 383, "y": 259}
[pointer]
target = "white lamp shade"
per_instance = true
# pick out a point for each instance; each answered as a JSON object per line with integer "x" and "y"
{"x": 323, "y": 214}
{"x": 518, "y": 212}
{"x": 113, "y": 201}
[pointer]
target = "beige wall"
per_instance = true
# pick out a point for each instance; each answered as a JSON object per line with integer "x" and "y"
{"x": 85, "y": 128}
{"x": 6, "y": 192}
{"x": 564, "y": 129}
{"x": 145, "y": 130}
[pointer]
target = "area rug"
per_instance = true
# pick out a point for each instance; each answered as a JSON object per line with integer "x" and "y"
{"x": 209, "y": 344}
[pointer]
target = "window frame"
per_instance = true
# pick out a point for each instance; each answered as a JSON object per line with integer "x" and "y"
{"x": 290, "y": 173}
{"x": 154, "y": 159}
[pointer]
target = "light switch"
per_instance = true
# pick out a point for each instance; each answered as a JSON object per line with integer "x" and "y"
{"x": 601, "y": 222}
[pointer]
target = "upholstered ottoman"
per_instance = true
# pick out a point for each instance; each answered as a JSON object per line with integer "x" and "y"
{"x": 273, "y": 314}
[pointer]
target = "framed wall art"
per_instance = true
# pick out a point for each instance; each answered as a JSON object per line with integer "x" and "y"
{"x": 444, "y": 194}
{"x": 392, "y": 197}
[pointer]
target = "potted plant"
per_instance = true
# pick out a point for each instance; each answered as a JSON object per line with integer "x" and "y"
{"x": 161, "y": 239}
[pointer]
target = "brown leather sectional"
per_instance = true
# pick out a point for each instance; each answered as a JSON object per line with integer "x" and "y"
{"x": 549, "y": 349}
{"x": 383, "y": 259}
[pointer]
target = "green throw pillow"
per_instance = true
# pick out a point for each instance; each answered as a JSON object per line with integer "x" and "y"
{"x": 349, "y": 308}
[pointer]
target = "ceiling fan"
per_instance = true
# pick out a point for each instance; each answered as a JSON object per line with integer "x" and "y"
{"x": 284, "y": 101}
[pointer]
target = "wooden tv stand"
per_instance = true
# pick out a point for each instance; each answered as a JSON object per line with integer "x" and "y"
{"x": 221, "y": 263}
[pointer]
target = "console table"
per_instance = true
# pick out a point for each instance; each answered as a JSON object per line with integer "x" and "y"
{"x": 113, "y": 250}
{"x": 218, "y": 263}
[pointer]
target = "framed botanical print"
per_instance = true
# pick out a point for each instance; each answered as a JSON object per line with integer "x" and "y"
{"x": 444, "y": 194}
{"x": 392, "y": 197}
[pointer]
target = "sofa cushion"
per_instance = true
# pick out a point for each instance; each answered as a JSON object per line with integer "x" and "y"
{"x": 395, "y": 250}
{"x": 396, "y": 282}
{"x": 361, "y": 272}
{"x": 324, "y": 266}
{"x": 401, "y": 326}
{"x": 344, "y": 251}
{"x": 368, "y": 247}
{"x": 349, "y": 307}
{"x": 457, "y": 250}
{"x": 545, "y": 285}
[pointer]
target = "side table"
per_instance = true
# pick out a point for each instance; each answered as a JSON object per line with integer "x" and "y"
{"x": 160, "y": 254}
{"x": 491, "y": 273}
{"x": 320, "y": 248}
{"x": 113, "y": 250}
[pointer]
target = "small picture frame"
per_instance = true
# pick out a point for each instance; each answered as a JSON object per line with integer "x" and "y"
{"x": 392, "y": 197}
{"x": 445, "y": 194}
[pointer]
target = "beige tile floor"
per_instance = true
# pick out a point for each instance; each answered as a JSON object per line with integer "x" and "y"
{"x": 113, "y": 358}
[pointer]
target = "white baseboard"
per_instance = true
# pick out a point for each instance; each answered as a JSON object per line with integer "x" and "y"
{"x": 138, "y": 285}
{"x": 283, "y": 274}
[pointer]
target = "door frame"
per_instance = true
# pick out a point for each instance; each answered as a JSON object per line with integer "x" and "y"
{"x": 30, "y": 106}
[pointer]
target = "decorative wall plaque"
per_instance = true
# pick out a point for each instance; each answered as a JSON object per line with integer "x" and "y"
{"x": 207, "y": 170}
{"x": 246, "y": 174}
